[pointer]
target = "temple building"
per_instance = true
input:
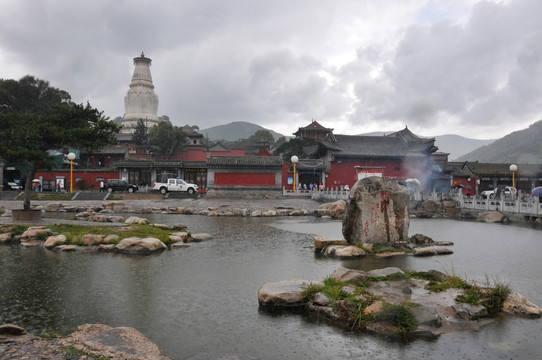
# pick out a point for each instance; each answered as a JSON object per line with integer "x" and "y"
{"x": 140, "y": 102}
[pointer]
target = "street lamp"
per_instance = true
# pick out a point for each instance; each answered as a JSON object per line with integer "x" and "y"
{"x": 71, "y": 157}
{"x": 294, "y": 160}
{"x": 513, "y": 169}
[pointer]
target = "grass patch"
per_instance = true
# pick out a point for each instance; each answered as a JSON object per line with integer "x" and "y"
{"x": 48, "y": 335}
{"x": 450, "y": 282}
{"x": 18, "y": 229}
{"x": 72, "y": 350}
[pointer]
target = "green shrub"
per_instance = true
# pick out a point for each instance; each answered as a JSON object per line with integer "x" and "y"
{"x": 18, "y": 229}
{"x": 398, "y": 315}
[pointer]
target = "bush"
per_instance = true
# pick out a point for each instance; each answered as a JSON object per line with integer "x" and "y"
{"x": 400, "y": 316}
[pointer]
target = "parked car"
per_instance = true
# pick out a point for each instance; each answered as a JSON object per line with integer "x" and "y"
{"x": 508, "y": 191}
{"x": 120, "y": 185}
{"x": 174, "y": 184}
{"x": 12, "y": 185}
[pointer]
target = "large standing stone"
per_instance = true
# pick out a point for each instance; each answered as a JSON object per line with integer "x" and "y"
{"x": 376, "y": 212}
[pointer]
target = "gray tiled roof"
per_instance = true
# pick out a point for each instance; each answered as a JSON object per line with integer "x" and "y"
{"x": 375, "y": 146}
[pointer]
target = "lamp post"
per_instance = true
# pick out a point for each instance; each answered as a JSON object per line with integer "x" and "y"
{"x": 513, "y": 169}
{"x": 294, "y": 160}
{"x": 71, "y": 157}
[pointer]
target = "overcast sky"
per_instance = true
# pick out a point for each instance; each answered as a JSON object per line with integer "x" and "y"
{"x": 467, "y": 67}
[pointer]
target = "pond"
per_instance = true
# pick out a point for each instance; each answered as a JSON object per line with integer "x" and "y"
{"x": 203, "y": 299}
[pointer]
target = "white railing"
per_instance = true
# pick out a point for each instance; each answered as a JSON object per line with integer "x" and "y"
{"x": 328, "y": 194}
{"x": 528, "y": 205}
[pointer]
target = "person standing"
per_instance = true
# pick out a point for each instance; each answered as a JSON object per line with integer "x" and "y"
{"x": 101, "y": 185}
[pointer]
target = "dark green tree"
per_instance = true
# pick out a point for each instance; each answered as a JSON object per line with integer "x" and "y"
{"x": 35, "y": 117}
{"x": 141, "y": 134}
{"x": 166, "y": 138}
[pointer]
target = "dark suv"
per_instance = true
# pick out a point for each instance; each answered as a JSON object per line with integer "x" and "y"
{"x": 120, "y": 185}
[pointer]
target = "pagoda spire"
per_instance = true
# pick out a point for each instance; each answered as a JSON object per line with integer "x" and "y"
{"x": 140, "y": 102}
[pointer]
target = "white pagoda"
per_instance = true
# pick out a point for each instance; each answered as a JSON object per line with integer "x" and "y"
{"x": 140, "y": 102}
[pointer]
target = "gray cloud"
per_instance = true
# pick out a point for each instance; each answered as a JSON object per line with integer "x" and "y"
{"x": 353, "y": 65}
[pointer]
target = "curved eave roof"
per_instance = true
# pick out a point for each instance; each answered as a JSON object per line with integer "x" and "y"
{"x": 245, "y": 161}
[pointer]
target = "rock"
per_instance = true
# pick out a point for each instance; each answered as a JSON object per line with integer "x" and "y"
{"x": 111, "y": 239}
{"x": 12, "y": 330}
{"x": 389, "y": 254}
{"x": 449, "y": 204}
{"x": 105, "y": 218}
{"x": 429, "y": 206}
{"x": 432, "y": 250}
{"x": 179, "y": 245}
{"x": 443, "y": 243}
{"x": 92, "y": 239}
{"x": 55, "y": 240}
{"x": 336, "y": 208}
{"x": 106, "y": 247}
{"x": 68, "y": 248}
{"x": 322, "y": 242}
{"x": 256, "y": 213}
{"x": 52, "y": 207}
{"x": 421, "y": 239}
{"x": 114, "y": 343}
{"x": 136, "y": 220}
{"x": 240, "y": 212}
{"x": 283, "y": 293}
{"x": 387, "y": 271}
{"x": 517, "y": 304}
{"x": 321, "y": 212}
{"x": 321, "y": 299}
{"x": 344, "y": 274}
{"x": 138, "y": 245}
{"x": 490, "y": 217}
{"x": 179, "y": 226}
{"x": 6, "y": 237}
{"x": 179, "y": 237}
{"x": 145, "y": 210}
{"x": 36, "y": 232}
{"x": 342, "y": 251}
{"x": 269, "y": 213}
{"x": 376, "y": 212}
{"x": 200, "y": 237}
{"x": 469, "y": 311}
{"x": 427, "y": 315}
{"x": 374, "y": 308}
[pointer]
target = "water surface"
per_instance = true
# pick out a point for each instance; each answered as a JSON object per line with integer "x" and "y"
{"x": 204, "y": 298}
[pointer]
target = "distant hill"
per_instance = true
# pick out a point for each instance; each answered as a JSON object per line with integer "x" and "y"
{"x": 524, "y": 147}
{"x": 235, "y": 131}
{"x": 458, "y": 146}
{"x": 455, "y": 145}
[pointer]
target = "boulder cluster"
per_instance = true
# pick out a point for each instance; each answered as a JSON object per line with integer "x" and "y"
{"x": 417, "y": 245}
{"x": 44, "y": 237}
{"x": 389, "y": 302}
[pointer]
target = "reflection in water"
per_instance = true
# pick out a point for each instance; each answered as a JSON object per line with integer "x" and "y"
{"x": 204, "y": 298}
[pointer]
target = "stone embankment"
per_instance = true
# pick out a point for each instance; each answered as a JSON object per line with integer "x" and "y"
{"x": 391, "y": 302}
